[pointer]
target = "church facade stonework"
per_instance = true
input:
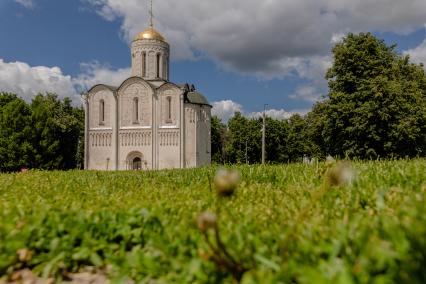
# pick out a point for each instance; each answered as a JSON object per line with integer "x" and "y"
{"x": 147, "y": 122}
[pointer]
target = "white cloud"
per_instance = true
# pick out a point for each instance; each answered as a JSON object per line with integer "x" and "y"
{"x": 263, "y": 38}
{"x": 278, "y": 113}
{"x": 418, "y": 54}
{"x": 308, "y": 93}
{"x": 29, "y": 4}
{"x": 226, "y": 109}
{"x": 27, "y": 81}
{"x": 94, "y": 73}
{"x": 270, "y": 39}
{"x": 337, "y": 37}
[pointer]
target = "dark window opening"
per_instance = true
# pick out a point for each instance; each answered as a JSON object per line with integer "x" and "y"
{"x": 143, "y": 64}
{"x": 101, "y": 112}
{"x": 169, "y": 110}
{"x": 158, "y": 65}
{"x": 135, "y": 110}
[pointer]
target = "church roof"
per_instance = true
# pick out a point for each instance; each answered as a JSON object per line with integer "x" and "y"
{"x": 111, "y": 88}
{"x": 192, "y": 96}
{"x": 197, "y": 98}
{"x": 149, "y": 33}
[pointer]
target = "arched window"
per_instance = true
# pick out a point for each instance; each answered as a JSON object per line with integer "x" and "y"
{"x": 169, "y": 109}
{"x": 101, "y": 112}
{"x": 135, "y": 110}
{"x": 158, "y": 65}
{"x": 143, "y": 64}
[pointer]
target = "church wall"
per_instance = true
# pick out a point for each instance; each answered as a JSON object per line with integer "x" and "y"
{"x": 100, "y": 132}
{"x": 169, "y": 108}
{"x": 135, "y": 138}
{"x": 135, "y": 143}
{"x": 168, "y": 149}
{"x": 144, "y": 95}
{"x": 190, "y": 135}
{"x": 203, "y": 136}
{"x": 100, "y": 150}
{"x": 168, "y": 117}
{"x": 95, "y": 99}
{"x": 151, "y": 64}
{"x": 137, "y": 63}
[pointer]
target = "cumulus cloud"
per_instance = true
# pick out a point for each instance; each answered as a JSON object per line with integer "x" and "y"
{"x": 226, "y": 109}
{"x": 270, "y": 39}
{"x": 308, "y": 93}
{"x": 94, "y": 73}
{"x": 278, "y": 113}
{"x": 418, "y": 54}
{"x": 29, "y": 4}
{"x": 264, "y": 38}
{"x": 27, "y": 81}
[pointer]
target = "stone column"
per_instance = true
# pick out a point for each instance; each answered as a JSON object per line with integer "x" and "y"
{"x": 86, "y": 131}
{"x": 154, "y": 131}
{"x": 182, "y": 131}
{"x": 115, "y": 131}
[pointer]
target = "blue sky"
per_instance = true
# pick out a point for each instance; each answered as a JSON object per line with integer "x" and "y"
{"x": 240, "y": 55}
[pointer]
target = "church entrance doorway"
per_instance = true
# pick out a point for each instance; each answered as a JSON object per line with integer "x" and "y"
{"x": 135, "y": 161}
{"x": 137, "y": 164}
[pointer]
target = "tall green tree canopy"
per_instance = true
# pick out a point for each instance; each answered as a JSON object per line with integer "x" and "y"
{"x": 56, "y": 132}
{"x": 44, "y": 134}
{"x": 16, "y": 149}
{"x": 218, "y": 140}
{"x": 377, "y": 102}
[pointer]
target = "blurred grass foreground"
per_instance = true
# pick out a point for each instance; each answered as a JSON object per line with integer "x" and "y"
{"x": 292, "y": 223}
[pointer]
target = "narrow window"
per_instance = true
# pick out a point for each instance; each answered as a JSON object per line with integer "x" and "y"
{"x": 169, "y": 109}
{"x": 143, "y": 64}
{"x": 101, "y": 112}
{"x": 158, "y": 65}
{"x": 135, "y": 110}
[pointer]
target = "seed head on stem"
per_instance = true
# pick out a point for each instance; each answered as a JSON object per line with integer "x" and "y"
{"x": 226, "y": 181}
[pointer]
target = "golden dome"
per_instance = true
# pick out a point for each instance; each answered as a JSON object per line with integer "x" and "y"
{"x": 149, "y": 33}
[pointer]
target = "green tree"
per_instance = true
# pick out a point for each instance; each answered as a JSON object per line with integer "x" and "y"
{"x": 79, "y": 114}
{"x": 377, "y": 102}
{"x": 244, "y": 134}
{"x": 297, "y": 139}
{"x": 57, "y": 131}
{"x": 276, "y": 140}
{"x": 16, "y": 150}
{"x": 218, "y": 140}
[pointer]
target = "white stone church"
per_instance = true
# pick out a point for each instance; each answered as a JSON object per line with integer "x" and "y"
{"x": 147, "y": 122}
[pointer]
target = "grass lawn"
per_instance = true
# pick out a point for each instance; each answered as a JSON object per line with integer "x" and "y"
{"x": 284, "y": 224}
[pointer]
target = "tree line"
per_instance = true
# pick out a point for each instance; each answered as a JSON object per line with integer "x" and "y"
{"x": 375, "y": 108}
